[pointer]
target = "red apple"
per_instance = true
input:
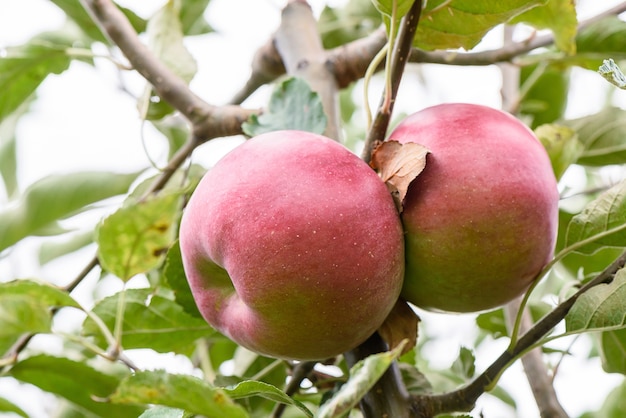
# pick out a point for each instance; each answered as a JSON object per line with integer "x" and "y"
{"x": 481, "y": 219}
{"x": 293, "y": 247}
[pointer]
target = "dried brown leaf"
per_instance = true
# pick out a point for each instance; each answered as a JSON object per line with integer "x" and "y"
{"x": 401, "y": 324}
{"x": 398, "y": 165}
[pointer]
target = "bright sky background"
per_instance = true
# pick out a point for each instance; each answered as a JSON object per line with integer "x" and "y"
{"x": 82, "y": 121}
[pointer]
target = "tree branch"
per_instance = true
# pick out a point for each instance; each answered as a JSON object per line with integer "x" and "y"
{"x": 300, "y": 46}
{"x": 207, "y": 121}
{"x": 464, "y": 398}
{"x": 399, "y": 57}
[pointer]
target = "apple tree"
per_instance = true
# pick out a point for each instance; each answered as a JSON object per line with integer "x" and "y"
{"x": 105, "y": 324}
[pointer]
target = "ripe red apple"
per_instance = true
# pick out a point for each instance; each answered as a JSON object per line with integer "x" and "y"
{"x": 481, "y": 219}
{"x": 293, "y": 247}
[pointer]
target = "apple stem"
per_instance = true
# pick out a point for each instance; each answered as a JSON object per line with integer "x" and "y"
{"x": 388, "y": 397}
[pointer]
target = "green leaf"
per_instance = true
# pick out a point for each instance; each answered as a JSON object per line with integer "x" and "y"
{"x": 53, "y": 250}
{"x": 600, "y": 40}
{"x": 57, "y": 197}
{"x": 165, "y": 412}
{"x": 602, "y": 223}
{"x": 545, "y": 92}
{"x": 7, "y": 406}
{"x": 175, "y": 129}
{"x": 493, "y": 322}
{"x": 250, "y": 388}
{"x": 386, "y": 7}
{"x": 8, "y": 151}
{"x": 363, "y": 376}
{"x": 348, "y": 22}
{"x": 176, "y": 391}
{"x": 151, "y": 320}
{"x": 612, "y": 349}
{"x": 165, "y": 39}
{"x": 293, "y": 105}
{"x": 464, "y": 366}
{"x": 562, "y": 145}
{"x": 600, "y": 308}
{"x": 610, "y": 71}
{"x": 23, "y": 68}
{"x": 192, "y": 17}
{"x": 26, "y": 307}
{"x": 137, "y": 236}
{"x": 75, "y": 11}
{"x": 614, "y": 405}
{"x": 463, "y": 23}
{"x": 560, "y": 17}
{"x": 603, "y": 136}
{"x": 75, "y": 381}
{"x": 174, "y": 275}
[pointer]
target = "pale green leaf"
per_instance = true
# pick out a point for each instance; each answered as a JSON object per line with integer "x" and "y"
{"x": 363, "y": 376}
{"x": 52, "y": 250}
{"x": 464, "y": 365}
{"x": 603, "y": 136}
{"x": 177, "y": 391}
{"x": 165, "y": 39}
{"x": 8, "y": 150}
{"x": 386, "y": 6}
{"x": 613, "y": 351}
{"x": 293, "y": 105}
{"x": 250, "y": 388}
{"x": 165, "y": 412}
{"x": 560, "y": 17}
{"x": 545, "y": 90}
{"x": 8, "y": 406}
{"x": 75, "y": 381}
{"x": 137, "y": 236}
{"x": 463, "y": 23}
{"x": 562, "y": 145}
{"x": 57, "y": 197}
{"x": 611, "y": 71}
{"x": 605, "y": 38}
{"x": 602, "y": 223}
{"x": 151, "y": 320}
{"x": 26, "y": 308}
{"x": 600, "y": 308}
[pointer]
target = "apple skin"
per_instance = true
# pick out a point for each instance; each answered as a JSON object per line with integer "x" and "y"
{"x": 481, "y": 219}
{"x": 293, "y": 247}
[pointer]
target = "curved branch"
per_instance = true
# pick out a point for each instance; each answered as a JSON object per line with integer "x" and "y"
{"x": 464, "y": 398}
{"x": 208, "y": 121}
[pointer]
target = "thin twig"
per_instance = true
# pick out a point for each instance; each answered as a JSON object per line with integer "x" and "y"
{"x": 464, "y": 398}
{"x": 400, "y": 54}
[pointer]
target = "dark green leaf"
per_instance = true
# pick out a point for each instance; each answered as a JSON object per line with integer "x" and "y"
{"x": 7, "y": 406}
{"x": 26, "y": 307}
{"x": 176, "y": 391}
{"x": 562, "y": 145}
{"x": 192, "y": 17}
{"x": 560, "y": 17}
{"x": 600, "y": 308}
{"x": 250, "y": 388}
{"x": 136, "y": 237}
{"x": 75, "y": 381}
{"x": 56, "y": 197}
{"x": 363, "y": 376}
{"x": 612, "y": 349}
{"x": 151, "y": 320}
{"x": 463, "y": 23}
{"x": 546, "y": 89}
{"x": 602, "y": 223}
{"x": 603, "y": 135}
{"x": 292, "y": 106}
{"x": 176, "y": 279}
